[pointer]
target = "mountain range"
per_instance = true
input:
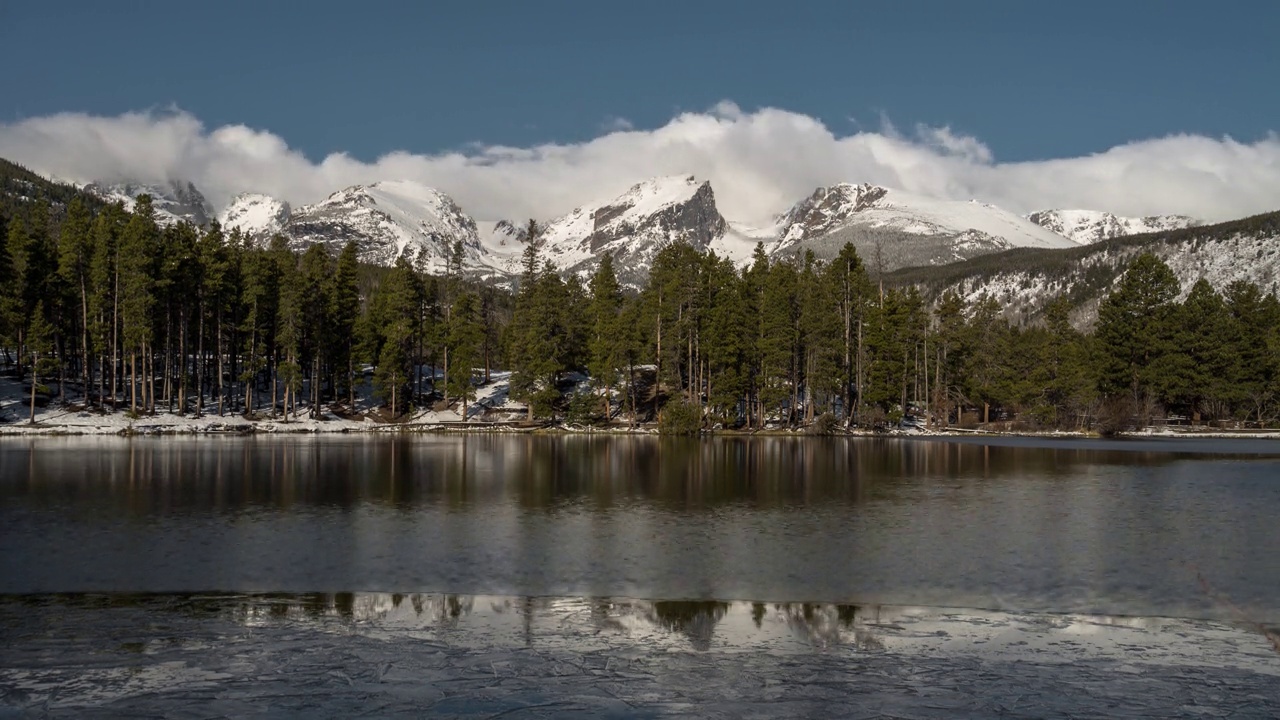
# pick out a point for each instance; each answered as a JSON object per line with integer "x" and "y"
{"x": 891, "y": 228}
{"x": 970, "y": 248}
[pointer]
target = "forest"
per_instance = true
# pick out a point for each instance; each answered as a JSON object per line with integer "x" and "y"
{"x": 103, "y": 307}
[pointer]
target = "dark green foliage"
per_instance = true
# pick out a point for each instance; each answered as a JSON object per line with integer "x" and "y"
{"x": 680, "y": 418}
{"x": 100, "y": 297}
{"x": 1136, "y": 331}
{"x": 466, "y": 335}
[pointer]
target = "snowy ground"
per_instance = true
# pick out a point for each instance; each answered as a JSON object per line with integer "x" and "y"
{"x": 490, "y": 407}
{"x": 460, "y": 656}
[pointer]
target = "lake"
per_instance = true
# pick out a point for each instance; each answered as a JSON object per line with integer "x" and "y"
{"x": 1043, "y": 561}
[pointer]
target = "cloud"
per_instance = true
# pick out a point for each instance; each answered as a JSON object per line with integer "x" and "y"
{"x": 617, "y": 124}
{"x": 759, "y": 162}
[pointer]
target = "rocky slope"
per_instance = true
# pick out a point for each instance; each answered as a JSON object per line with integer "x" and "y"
{"x": 1090, "y": 226}
{"x": 1024, "y": 281}
{"x": 387, "y": 220}
{"x": 633, "y": 226}
{"x": 894, "y": 229}
{"x": 255, "y": 215}
{"x": 174, "y": 201}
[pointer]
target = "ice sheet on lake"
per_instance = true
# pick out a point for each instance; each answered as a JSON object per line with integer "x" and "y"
{"x": 411, "y": 655}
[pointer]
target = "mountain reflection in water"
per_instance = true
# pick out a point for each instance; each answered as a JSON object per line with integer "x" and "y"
{"x": 1064, "y": 526}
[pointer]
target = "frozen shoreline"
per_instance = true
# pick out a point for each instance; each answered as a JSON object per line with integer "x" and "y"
{"x": 71, "y": 422}
{"x": 236, "y": 655}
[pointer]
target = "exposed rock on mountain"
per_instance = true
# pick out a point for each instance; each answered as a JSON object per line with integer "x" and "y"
{"x": 893, "y": 229}
{"x": 1024, "y": 281}
{"x": 174, "y": 201}
{"x": 387, "y": 220}
{"x": 256, "y": 215}
{"x": 634, "y": 226}
{"x": 1090, "y": 226}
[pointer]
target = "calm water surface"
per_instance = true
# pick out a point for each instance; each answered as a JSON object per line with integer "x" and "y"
{"x": 1028, "y": 525}
{"x": 478, "y": 576}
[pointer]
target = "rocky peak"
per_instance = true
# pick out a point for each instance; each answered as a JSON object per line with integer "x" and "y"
{"x": 256, "y": 215}
{"x": 1090, "y": 226}
{"x": 387, "y": 220}
{"x": 174, "y": 201}
{"x": 633, "y": 226}
{"x": 826, "y": 209}
{"x": 661, "y": 207}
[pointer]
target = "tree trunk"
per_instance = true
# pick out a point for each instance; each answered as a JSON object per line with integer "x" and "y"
{"x": 34, "y": 382}
{"x": 199, "y": 361}
{"x": 133, "y": 381}
{"x": 115, "y": 340}
{"x": 182, "y": 369}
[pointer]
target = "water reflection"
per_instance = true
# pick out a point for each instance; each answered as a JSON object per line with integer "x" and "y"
{"x": 588, "y": 624}
{"x": 149, "y": 475}
{"x": 1058, "y": 526}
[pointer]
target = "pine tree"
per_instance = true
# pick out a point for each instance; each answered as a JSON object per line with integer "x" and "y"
{"x": 137, "y": 256}
{"x": 780, "y": 338}
{"x": 289, "y": 325}
{"x": 819, "y": 336}
{"x": 466, "y": 333}
{"x": 1202, "y": 371}
{"x": 531, "y": 345}
{"x": 314, "y": 277}
{"x": 75, "y": 257}
{"x": 1135, "y": 329}
{"x": 607, "y": 341}
{"x": 392, "y": 314}
{"x": 104, "y": 298}
{"x": 1062, "y": 367}
{"x": 41, "y": 347}
{"x": 847, "y": 281}
{"x": 725, "y": 341}
{"x": 344, "y": 310}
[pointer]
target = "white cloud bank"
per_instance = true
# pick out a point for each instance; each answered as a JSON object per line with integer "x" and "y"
{"x": 758, "y": 162}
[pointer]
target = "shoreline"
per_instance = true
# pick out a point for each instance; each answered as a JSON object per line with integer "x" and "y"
{"x": 429, "y": 423}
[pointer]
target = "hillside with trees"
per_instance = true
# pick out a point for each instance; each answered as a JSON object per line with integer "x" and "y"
{"x": 1026, "y": 280}
{"x": 105, "y": 311}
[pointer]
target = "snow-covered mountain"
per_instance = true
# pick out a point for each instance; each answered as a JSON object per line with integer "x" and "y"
{"x": 890, "y": 228}
{"x": 1089, "y": 226}
{"x": 1246, "y": 249}
{"x": 386, "y": 220}
{"x": 174, "y": 201}
{"x": 633, "y": 226}
{"x": 896, "y": 229}
{"x": 256, "y": 215}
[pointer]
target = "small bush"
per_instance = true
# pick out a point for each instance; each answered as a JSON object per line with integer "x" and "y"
{"x": 680, "y": 418}
{"x": 824, "y": 424}
{"x": 582, "y": 409}
{"x": 1117, "y": 415}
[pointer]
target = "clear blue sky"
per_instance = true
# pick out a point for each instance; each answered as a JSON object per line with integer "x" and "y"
{"x": 1031, "y": 79}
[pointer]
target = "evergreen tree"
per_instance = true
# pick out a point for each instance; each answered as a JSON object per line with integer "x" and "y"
{"x": 726, "y": 343}
{"x": 104, "y": 298}
{"x": 607, "y": 345}
{"x": 41, "y": 348}
{"x": 1062, "y": 368}
{"x": 466, "y": 334}
{"x": 1135, "y": 329}
{"x": 315, "y": 281}
{"x": 137, "y": 256}
{"x": 850, "y": 288}
{"x": 1203, "y": 370}
{"x": 344, "y": 310}
{"x": 75, "y": 256}
{"x": 393, "y": 313}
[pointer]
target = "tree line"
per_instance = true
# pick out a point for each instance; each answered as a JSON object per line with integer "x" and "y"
{"x": 107, "y": 307}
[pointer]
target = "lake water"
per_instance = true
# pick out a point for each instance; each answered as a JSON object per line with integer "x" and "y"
{"x": 1006, "y": 565}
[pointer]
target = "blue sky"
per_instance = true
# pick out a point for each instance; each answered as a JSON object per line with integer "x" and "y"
{"x": 1031, "y": 79}
{"x": 521, "y": 109}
